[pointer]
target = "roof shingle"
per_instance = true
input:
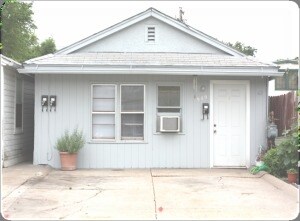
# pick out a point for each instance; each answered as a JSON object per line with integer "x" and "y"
{"x": 149, "y": 59}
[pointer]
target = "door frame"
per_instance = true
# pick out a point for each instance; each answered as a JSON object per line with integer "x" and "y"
{"x": 247, "y": 135}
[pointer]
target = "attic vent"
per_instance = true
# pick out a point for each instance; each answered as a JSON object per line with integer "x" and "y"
{"x": 150, "y": 34}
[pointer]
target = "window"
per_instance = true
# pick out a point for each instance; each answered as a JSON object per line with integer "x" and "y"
{"x": 168, "y": 99}
{"x": 103, "y": 112}
{"x": 19, "y": 104}
{"x": 150, "y": 34}
{"x": 168, "y": 103}
{"x": 132, "y": 112}
{"x": 128, "y": 118}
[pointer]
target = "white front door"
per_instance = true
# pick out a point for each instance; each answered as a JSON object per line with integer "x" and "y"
{"x": 229, "y": 125}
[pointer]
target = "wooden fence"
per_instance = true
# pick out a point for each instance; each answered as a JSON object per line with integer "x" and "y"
{"x": 284, "y": 108}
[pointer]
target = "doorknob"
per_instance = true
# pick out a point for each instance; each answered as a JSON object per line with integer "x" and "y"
{"x": 215, "y": 125}
{"x": 215, "y": 131}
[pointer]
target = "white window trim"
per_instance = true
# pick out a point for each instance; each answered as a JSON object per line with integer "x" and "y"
{"x": 18, "y": 130}
{"x": 92, "y": 113}
{"x": 146, "y": 34}
{"x": 134, "y": 112}
{"x": 181, "y": 114}
{"x": 117, "y": 139}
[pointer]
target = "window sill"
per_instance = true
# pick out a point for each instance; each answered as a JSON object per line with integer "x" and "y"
{"x": 169, "y": 133}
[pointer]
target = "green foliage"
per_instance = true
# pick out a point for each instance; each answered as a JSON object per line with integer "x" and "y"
{"x": 247, "y": 50}
{"x": 292, "y": 170}
{"x": 47, "y": 47}
{"x": 275, "y": 163}
{"x": 287, "y": 150}
{"x": 70, "y": 143}
{"x": 18, "y": 40}
{"x": 285, "y": 156}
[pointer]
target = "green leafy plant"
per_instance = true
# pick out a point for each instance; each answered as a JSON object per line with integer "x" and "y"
{"x": 70, "y": 143}
{"x": 288, "y": 149}
{"x": 285, "y": 155}
{"x": 292, "y": 170}
{"x": 274, "y": 162}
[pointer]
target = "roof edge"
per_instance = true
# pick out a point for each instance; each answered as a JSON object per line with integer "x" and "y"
{"x": 9, "y": 62}
{"x": 141, "y": 16}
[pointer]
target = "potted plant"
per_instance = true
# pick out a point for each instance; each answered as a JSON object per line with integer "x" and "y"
{"x": 292, "y": 175}
{"x": 68, "y": 145}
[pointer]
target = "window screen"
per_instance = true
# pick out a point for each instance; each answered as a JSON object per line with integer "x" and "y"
{"x": 132, "y": 112}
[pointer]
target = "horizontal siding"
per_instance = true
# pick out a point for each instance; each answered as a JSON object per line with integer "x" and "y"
{"x": 17, "y": 147}
{"x": 189, "y": 149}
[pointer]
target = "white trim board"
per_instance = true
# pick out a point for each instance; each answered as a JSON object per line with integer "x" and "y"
{"x": 211, "y": 147}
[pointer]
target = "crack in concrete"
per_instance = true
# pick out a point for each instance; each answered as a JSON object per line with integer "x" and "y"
{"x": 155, "y": 210}
{"x": 77, "y": 202}
{"x": 14, "y": 195}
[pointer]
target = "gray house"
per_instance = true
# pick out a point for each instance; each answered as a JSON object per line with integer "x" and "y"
{"x": 151, "y": 92}
{"x": 17, "y": 113}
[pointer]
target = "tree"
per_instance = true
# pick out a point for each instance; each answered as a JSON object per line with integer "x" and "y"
{"x": 18, "y": 39}
{"x": 247, "y": 50}
{"x": 46, "y": 47}
{"x": 17, "y": 31}
{"x": 287, "y": 60}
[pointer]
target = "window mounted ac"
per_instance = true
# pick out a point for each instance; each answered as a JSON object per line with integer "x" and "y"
{"x": 169, "y": 123}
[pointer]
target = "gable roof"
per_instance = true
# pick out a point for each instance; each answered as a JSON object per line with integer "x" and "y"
{"x": 151, "y": 12}
{"x": 233, "y": 63}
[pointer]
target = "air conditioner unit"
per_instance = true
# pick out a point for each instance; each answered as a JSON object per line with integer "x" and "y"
{"x": 169, "y": 123}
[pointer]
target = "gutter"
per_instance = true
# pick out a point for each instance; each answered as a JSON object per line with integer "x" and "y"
{"x": 154, "y": 71}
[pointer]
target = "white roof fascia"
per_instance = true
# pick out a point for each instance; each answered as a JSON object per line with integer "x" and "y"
{"x": 158, "y": 15}
{"x": 5, "y": 61}
{"x": 10, "y": 63}
{"x": 227, "y": 71}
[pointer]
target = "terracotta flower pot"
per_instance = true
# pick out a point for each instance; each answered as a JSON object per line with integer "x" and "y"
{"x": 292, "y": 177}
{"x": 68, "y": 161}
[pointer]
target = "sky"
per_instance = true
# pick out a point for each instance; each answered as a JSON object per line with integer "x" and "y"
{"x": 272, "y": 27}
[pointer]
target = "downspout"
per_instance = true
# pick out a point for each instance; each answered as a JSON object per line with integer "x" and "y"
{"x": 267, "y": 112}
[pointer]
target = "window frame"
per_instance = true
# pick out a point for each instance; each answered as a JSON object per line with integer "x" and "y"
{"x": 18, "y": 130}
{"x": 169, "y": 107}
{"x": 131, "y": 112}
{"x": 181, "y": 114}
{"x": 101, "y": 113}
{"x": 118, "y": 126}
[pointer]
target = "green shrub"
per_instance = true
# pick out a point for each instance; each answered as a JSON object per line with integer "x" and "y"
{"x": 275, "y": 163}
{"x": 70, "y": 143}
{"x": 285, "y": 156}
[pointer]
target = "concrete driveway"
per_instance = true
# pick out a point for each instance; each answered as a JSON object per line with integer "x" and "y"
{"x": 39, "y": 192}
